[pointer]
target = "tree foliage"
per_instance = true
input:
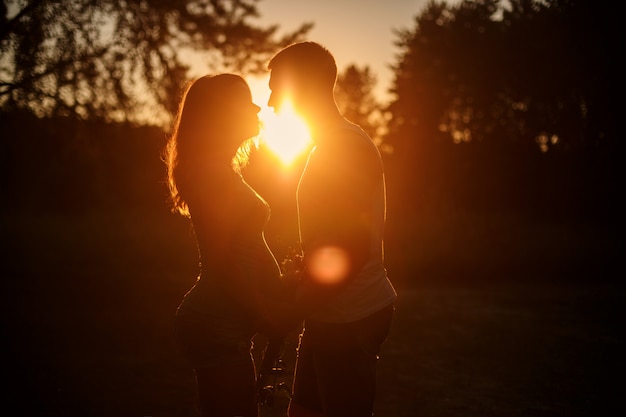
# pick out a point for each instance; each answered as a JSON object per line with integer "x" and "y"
{"x": 529, "y": 72}
{"x": 506, "y": 105}
{"x": 123, "y": 59}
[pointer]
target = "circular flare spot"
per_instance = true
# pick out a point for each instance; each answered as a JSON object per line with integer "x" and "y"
{"x": 328, "y": 264}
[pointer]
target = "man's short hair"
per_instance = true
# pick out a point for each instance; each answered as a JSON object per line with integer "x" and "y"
{"x": 309, "y": 62}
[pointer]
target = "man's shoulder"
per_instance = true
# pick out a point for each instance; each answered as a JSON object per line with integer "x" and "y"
{"x": 352, "y": 129}
{"x": 349, "y": 136}
{"x": 349, "y": 146}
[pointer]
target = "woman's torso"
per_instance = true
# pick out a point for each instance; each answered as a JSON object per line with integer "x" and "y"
{"x": 228, "y": 223}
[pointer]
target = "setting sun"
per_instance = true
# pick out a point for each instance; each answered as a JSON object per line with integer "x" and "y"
{"x": 285, "y": 133}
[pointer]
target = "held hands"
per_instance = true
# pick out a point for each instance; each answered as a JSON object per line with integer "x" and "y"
{"x": 292, "y": 269}
{"x": 285, "y": 315}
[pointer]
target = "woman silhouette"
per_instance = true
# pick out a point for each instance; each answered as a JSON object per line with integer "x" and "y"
{"x": 239, "y": 282}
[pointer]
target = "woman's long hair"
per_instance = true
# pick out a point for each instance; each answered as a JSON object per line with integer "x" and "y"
{"x": 199, "y": 135}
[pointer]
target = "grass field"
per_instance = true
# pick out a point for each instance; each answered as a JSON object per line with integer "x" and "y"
{"x": 88, "y": 303}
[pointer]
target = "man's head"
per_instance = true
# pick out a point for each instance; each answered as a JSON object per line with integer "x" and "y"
{"x": 304, "y": 72}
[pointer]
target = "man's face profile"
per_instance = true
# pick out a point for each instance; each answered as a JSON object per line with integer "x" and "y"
{"x": 281, "y": 87}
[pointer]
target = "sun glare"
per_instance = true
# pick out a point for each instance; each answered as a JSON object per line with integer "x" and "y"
{"x": 285, "y": 134}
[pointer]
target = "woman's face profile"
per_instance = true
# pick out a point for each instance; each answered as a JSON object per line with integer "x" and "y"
{"x": 242, "y": 112}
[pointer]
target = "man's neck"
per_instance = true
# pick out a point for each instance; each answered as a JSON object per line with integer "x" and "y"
{"x": 323, "y": 120}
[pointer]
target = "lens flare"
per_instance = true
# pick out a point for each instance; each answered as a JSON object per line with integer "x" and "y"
{"x": 285, "y": 134}
{"x": 328, "y": 264}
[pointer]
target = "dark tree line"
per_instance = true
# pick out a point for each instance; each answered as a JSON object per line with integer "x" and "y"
{"x": 69, "y": 166}
{"x": 527, "y": 71}
{"x": 510, "y": 105}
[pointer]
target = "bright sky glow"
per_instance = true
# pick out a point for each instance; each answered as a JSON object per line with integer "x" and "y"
{"x": 356, "y": 32}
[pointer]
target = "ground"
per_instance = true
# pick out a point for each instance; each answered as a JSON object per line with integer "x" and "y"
{"x": 89, "y": 333}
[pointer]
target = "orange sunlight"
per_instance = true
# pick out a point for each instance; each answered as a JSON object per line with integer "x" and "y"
{"x": 285, "y": 134}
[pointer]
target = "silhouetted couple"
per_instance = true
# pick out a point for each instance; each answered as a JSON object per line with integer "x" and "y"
{"x": 340, "y": 294}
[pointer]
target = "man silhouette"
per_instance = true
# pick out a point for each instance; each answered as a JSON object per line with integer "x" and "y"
{"x": 345, "y": 296}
